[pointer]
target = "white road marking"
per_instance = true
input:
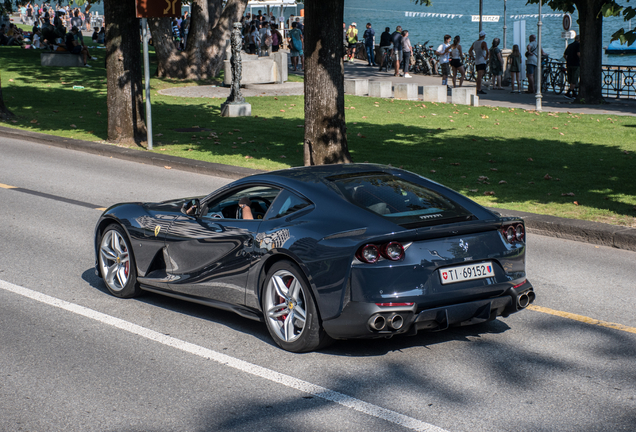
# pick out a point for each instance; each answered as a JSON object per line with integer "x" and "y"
{"x": 243, "y": 366}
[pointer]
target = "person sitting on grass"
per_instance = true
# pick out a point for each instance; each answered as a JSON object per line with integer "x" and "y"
{"x": 74, "y": 47}
{"x": 38, "y": 42}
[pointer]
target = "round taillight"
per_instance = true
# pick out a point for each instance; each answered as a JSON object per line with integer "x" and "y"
{"x": 519, "y": 232}
{"x": 393, "y": 251}
{"x": 368, "y": 253}
{"x": 510, "y": 234}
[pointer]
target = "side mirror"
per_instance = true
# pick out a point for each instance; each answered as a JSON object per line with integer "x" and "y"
{"x": 191, "y": 208}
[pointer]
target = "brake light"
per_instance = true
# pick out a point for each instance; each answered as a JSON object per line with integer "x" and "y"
{"x": 513, "y": 233}
{"x": 518, "y": 285}
{"x": 368, "y": 253}
{"x": 393, "y": 251}
{"x": 371, "y": 253}
{"x": 394, "y": 304}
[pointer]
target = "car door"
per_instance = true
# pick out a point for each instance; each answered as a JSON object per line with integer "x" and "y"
{"x": 210, "y": 254}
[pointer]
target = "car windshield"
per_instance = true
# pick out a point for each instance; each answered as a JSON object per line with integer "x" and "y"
{"x": 407, "y": 204}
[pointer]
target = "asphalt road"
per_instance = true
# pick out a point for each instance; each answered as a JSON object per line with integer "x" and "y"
{"x": 74, "y": 358}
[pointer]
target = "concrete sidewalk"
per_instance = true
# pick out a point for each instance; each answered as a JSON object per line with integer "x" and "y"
{"x": 358, "y": 69}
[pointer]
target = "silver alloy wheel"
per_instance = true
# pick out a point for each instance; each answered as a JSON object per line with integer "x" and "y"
{"x": 285, "y": 305}
{"x": 114, "y": 260}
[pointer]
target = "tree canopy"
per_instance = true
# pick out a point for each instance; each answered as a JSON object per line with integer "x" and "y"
{"x": 608, "y": 8}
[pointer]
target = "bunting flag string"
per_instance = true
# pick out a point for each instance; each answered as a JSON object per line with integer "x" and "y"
{"x": 453, "y": 16}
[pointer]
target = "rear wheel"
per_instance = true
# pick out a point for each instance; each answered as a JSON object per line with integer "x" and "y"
{"x": 290, "y": 311}
{"x": 559, "y": 81}
{"x": 117, "y": 263}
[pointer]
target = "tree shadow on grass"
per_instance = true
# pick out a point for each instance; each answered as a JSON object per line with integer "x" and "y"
{"x": 594, "y": 175}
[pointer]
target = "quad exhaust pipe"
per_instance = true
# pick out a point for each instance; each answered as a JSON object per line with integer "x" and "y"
{"x": 396, "y": 321}
{"x": 525, "y": 299}
{"x": 378, "y": 322}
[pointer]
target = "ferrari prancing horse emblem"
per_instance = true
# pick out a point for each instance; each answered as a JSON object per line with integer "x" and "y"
{"x": 157, "y": 229}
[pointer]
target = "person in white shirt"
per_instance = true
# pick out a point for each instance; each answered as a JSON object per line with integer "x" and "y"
{"x": 266, "y": 38}
{"x": 443, "y": 53}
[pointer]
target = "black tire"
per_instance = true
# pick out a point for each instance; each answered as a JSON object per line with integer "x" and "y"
{"x": 545, "y": 80}
{"x": 290, "y": 311}
{"x": 559, "y": 82}
{"x": 116, "y": 262}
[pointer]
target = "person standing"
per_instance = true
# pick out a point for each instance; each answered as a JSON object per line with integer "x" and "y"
{"x": 406, "y": 53}
{"x": 572, "y": 56}
{"x": 352, "y": 39}
{"x": 531, "y": 62}
{"x": 443, "y": 54}
{"x": 396, "y": 38}
{"x": 496, "y": 65}
{"x": 345, "y": 44}
{"x": 456, "y": 63}
{"x": 295, "y": 41}
{"x": 479, "y": 51}
{"x": 369, "y": 44}
{"x": 266, "y": 38}
{"x": 277, "y": 38}
{"x": 515, "y": 68}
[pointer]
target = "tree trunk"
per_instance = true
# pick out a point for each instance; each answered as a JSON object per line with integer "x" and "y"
{"x": 210, "y": 26}
{"x": 4, "y": 111}
{"x": 325, "y": 127}
{"x": 123, "y": 73}
{"x": 198, "y": 38}
{"x": 591, "y": 26}
{"x": 171, "y": 63}
{"x": 219, "y": 35}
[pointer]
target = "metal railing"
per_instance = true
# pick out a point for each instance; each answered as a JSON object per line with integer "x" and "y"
{"x": 619, "y": 81}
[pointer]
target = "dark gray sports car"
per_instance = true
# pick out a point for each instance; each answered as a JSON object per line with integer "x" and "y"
{"x": 322, "y": 253}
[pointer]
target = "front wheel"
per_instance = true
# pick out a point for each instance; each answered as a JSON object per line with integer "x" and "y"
{"x": 290, "y": 311}
{"x": 117, "y": 263}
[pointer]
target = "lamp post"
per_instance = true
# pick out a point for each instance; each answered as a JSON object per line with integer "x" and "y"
{"x": 505, "y": 26}
{"x": 481, "y": 12}
{"x": 539, "y": 96}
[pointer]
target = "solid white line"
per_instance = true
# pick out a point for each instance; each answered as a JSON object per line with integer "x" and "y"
{"x": 243, "y": 366}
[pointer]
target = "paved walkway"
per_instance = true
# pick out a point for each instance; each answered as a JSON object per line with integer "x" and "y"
{"x": 359, "y": 69}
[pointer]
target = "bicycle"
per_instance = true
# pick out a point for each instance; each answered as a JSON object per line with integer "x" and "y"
{"x": 387, "y": 59}
{"x": 553, "y": 75}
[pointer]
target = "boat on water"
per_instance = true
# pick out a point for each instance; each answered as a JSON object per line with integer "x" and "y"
{"x": 616, "y": 48}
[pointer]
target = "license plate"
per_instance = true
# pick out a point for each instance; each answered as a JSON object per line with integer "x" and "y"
{"x": 466, "y": 272}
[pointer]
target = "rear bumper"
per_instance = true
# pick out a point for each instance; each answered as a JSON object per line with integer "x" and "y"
{"x": 356, "y": 318}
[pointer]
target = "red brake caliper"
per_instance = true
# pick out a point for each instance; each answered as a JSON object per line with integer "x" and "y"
{"x": 282, "y": 300}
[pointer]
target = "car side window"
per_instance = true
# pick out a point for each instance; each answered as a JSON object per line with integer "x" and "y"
{"x": 230, "y": 206}
{"x": 286, "y": 204}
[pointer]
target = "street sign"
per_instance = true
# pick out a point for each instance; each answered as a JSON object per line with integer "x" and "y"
{"x": 485, "y": 18}
{"x": 568, "y": 34}
{"x": 158, "y": 8}
{"x": 567, "y": 22}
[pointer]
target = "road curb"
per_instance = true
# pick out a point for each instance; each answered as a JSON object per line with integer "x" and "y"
{"x": 572, "y": 229}
{"x": 132, "y": 155}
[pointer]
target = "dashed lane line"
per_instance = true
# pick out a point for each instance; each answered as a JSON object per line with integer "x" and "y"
{"x": 241, "y": 365}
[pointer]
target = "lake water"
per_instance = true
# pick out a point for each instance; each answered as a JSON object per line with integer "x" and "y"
{"x": 455, "y": 19}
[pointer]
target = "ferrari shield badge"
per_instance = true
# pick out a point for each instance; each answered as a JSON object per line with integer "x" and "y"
{"x": 157, "y": 229}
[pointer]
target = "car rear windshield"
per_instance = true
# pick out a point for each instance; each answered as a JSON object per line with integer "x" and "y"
{"x": 407, "y": 204}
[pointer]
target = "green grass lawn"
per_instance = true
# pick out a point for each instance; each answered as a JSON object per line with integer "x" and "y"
{"x": 564, "y": 164}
